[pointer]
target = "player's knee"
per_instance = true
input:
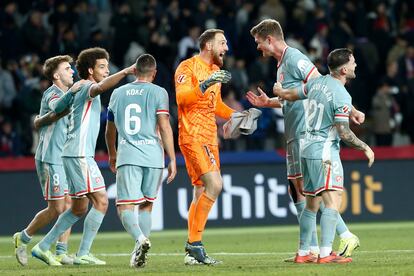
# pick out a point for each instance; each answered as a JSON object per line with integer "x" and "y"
{"x": 101, "y": 204}
{"x": 80, "y": 211}
{"x": 214, "y": 188}
{"x": 56, "y": 209}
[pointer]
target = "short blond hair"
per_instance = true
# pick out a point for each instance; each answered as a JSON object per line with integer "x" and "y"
{"x": 268, "y": 27}
{"x": 52, "y": 64}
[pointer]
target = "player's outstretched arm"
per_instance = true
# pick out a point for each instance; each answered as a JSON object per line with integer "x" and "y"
{"x": 285, "y": 94}
{"x": 111, "y": 81}
{"x": 49, "y": 118}
{"x": 163, "y": 122}
{"x": 110, "y": 139}
{"x": 66, "y": 100}
{"x": 262, "y": 100}
{"x": 346, "y": 135}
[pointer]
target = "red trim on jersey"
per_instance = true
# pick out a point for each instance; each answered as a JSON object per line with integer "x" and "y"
{"x": 294, "y": 176}
{"x": 54, "y": 97}
{"x": 321, "y": 189}
{"x": 305, "y": 92}
{"x": 328, "y": 177}
{"x": 126, "y": 201}
{"x": 57, "y": 197}
{"x": 150, "y": 198}
{"x": 342, "y": 115}
{"x": 87, "y": 109}
{"x": 47, "y": 186}
{"x": 162, "y": 110}
{"x": 79, "y": 193}
{"x": 99, "y": 188}
{"x": 88, "y": 182}
{"x": 281, "y": 58}
{"x": 310, "y": 72}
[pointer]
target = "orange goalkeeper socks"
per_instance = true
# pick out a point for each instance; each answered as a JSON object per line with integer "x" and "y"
{"x": 201, "y": 211}
{"x": 190, "y": 219}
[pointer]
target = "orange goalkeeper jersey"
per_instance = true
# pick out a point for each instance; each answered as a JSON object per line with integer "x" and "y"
{"x": 196, "y": 111}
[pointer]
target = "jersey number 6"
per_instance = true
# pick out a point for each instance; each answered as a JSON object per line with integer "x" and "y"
{"x": 132, "y": 123}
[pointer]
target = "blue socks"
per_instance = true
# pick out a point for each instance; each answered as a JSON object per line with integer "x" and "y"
{"x": 25, "y": 238}
{"x": 314, "y": 240}
{"x": 64, "y": 222}
{"x": 307, "y": 224}
{"x": 90, "y": 228}
{"x": 145, "y": 222}
{"x": 130, "y": 222}
{"x": 340, "y": 226}
{"x": 328, "y": 225}
{"x": 61, "y": 248}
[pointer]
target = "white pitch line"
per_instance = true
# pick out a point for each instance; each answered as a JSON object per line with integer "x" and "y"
{"x": 242, "y": 253}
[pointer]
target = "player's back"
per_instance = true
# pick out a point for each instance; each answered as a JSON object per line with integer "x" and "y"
{"x": 84, "y": 124}
{"x": 329, "y": 102}
{"x": 294, "y": 69}
{"x": 196, "y": 116}
{"x": 53, "y": 136}
{"x": 135, "y": 107}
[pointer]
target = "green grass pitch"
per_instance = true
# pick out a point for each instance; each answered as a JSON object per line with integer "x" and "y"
{"x": 386, "y": 249}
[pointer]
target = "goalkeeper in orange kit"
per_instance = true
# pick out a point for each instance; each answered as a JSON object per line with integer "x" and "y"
{"x": 198, "y": 84}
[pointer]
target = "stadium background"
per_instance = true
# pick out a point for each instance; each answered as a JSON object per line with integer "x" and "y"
{"x": 381, "y": 33}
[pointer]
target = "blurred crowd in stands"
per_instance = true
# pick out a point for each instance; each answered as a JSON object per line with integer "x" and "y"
{"x": 381, "y": 34}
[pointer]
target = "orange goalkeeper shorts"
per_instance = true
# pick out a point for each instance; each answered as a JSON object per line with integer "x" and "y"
{"x": 199, "y": 160}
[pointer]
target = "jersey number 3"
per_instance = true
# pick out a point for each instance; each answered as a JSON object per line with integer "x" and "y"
{"x": 132, "y": 123}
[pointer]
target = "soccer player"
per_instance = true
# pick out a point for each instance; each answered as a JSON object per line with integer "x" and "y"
{"x": 198, "y": 84}
{"x": 84, "y": 178}
{"x": 328, "y": 122}
{"x": 293, "y": 69}
{"x": 139, "y": 111}
{"x": 48, "y": 159}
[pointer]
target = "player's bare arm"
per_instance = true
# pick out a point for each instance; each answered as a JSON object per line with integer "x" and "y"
{"x": 49, "y": 118}
{"x": 110, "y": 81}
{"x": 285, "y": 94}
{"x": 346, "y": 135}
{"x": 262, "y": 100}
{"x": 110, "y": 139}
{"x": 60, "y": 107}
{"x": 166, "y": 133}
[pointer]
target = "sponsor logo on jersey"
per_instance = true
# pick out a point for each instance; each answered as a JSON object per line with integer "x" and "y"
{"x": 180, "y": 78}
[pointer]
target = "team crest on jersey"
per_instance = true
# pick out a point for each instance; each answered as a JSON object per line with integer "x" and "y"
{"x": 98, "y": 180}
{"x": 281, "y": 77}
{"x": 180, "y": 78}
{"x": 345, "y": 109}
{"x": 302, "y": 65}
{"x": 338, "y": 178}
{"x": 56, "y": 189}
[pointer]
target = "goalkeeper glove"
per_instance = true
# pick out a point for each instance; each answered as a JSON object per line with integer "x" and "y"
{"x": 222, "y": 76}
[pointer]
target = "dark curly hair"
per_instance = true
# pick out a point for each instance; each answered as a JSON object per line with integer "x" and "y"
{"x": 87, "y": 59}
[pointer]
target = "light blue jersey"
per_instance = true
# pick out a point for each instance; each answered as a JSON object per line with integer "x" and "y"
{"x": 53, "y": 136}
{"x": 329, "y": 102}
{"x": 294, "y": 68}
{"x": 135, "y": 107}
{"x": 84, "y": 124}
